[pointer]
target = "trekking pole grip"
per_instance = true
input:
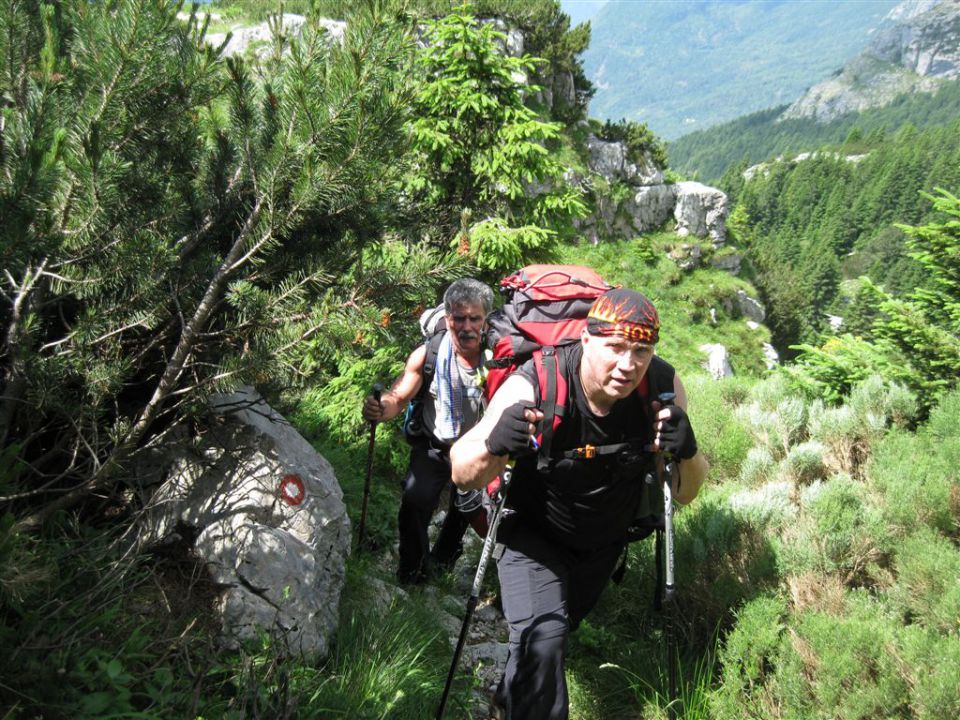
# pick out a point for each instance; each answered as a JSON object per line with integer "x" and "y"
{"x": 377, "y": 393}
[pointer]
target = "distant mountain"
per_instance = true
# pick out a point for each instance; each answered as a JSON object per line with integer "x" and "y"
{"x": 760, "y": 136}
{"x": 682, "y": 66}
{"x": 908, "y": 73}
{"x": 915, "y": 53}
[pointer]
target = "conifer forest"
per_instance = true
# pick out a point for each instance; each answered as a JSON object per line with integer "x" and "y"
{"x": 180, "y": 220}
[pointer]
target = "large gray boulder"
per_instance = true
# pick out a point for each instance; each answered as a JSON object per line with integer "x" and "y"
{"x": 651, "y": 206}
{"x": 701, "y": 211}
{"x": 717, "y": 362}
{"x": 268, "y": 519}
{"x": 751, "y": 308}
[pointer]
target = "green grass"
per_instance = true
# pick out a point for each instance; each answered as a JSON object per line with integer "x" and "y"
{"x": 684, "y": 301}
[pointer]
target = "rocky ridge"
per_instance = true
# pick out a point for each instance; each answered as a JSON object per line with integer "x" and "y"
{"x": 916, "y": 50}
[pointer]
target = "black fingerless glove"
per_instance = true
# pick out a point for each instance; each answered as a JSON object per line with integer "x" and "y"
{"x": 511, "y": 434}
{"x": 676, "y": 435}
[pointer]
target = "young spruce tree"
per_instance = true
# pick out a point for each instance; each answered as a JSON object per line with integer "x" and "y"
{"x": 482, "y": 166}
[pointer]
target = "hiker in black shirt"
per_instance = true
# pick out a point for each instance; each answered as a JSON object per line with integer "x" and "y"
{"x": 565, "y": 524}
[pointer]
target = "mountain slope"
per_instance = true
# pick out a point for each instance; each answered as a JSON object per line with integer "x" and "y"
{"x": 915, "y": 54}
{"x": 908, "y": 73}
{"x": 706, "y": 154}
{"x": 680, "y": 66}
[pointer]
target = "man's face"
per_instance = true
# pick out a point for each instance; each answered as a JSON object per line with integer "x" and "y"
{"x": 465, "y": 323}
{"x": 614, "y": 364}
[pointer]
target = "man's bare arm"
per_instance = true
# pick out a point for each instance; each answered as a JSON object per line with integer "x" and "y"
{"x": 693, "y": 471}
{"x": 473, "y": 464}
{"x": 404, "y": 388}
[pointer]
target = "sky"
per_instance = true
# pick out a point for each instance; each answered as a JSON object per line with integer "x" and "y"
{"x": 580, "y": 10}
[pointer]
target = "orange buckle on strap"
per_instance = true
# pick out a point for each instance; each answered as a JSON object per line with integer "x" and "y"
{"x": 587, "y": 451}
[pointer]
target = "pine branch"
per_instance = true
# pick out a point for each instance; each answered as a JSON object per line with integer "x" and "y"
{"x": 15, "y": 346}
{"x": 104, "y": 472}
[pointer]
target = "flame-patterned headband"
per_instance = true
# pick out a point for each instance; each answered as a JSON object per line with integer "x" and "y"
{"x": 625, "y": 313}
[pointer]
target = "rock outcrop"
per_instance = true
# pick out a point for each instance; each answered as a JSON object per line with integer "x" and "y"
{"x": 914, "y": 51}
{"x": 717, "y": 362}
{"x": 699, "y": 211}
{"x": 266, "y": 515}
{"x": 257, "y": 38}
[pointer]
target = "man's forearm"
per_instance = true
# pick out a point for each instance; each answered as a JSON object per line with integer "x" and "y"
{"x": 392, "y": 405}
{"x": 692, "y": 474}
{"x": 474, "y": 467}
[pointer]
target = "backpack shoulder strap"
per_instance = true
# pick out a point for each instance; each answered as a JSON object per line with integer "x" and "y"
{"x": 432, "y": 344}
{"x": 551, "y": 376}
{"x": 659, "y": 379}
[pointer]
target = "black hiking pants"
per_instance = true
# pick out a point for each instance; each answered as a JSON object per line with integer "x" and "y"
{"x": 427, "y": 475}
{"x": 546, "y": 590}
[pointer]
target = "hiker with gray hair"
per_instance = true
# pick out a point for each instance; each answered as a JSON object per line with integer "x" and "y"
{"x": 443, "y": 379}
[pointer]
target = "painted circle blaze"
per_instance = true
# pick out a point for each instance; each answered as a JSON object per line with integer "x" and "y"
{"x": 292, "y": 490}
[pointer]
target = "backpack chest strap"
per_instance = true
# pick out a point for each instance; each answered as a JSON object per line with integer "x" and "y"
{"x": 632, "y": 450}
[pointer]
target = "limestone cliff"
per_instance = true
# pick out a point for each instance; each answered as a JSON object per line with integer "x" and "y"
{"x": 915, "y": 50}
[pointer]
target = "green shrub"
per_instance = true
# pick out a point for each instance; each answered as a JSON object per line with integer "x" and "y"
{"x": 942, "y": 423}
{"x": 879, "y": 402}
{"x": 803, "y": 463}
{"x": 916, "y": 475}
{"x": 843, "y": 668}
{"x": 832, "y": 370}
{"x": 748, "y": 660}
{"x": 850, "y": 431}
{"x": 638, "y": 138}
{"x": 848, "y": 531}
{"x": 721, "y": 561}
{"x": 771, "y": 390}
{"x": 723, "y": 441}
{"x": 758, "y": 466}
{"x": 763, "y": 426}
{"x": 768, "y": 506}
{"x": 840, "y": 431}
{"x": 929, "y": 664}
{"x": 796, "y": 551}
{"x": 927, "y": 589}
{"x": 791, "y": 415}
{"x": 775, "y": 418}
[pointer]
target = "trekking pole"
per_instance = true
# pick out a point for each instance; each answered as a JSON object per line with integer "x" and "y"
{"x": 669, "y": 587}
{"x": 485, "y": 554}
{"x": 377, "y": 391}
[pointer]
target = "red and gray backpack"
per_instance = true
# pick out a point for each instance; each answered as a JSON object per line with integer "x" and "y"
{"x": 546, "y": 307}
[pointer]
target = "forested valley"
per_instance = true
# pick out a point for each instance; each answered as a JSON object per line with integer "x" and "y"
{"x": 178, "y": 222}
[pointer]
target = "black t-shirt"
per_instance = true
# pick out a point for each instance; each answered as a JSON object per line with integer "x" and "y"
{"x": 588, "y": 504}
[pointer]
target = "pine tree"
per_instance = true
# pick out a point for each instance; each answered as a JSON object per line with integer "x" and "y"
{"x": 174, "y": 222}
{"x": 925, "y": 326}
